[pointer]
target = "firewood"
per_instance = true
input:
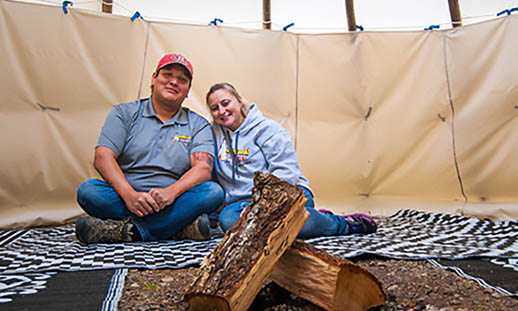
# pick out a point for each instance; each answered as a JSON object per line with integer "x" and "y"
{"x": 326, "y": 280}
{"x": 230, "y": 277}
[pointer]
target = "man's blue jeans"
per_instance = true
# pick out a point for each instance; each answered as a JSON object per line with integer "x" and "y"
{"x": 99, "y": 199}
{"x": 318, "y": 224}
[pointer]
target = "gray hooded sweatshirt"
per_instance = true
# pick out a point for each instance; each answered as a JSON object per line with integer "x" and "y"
{"x": 258, "y": 144}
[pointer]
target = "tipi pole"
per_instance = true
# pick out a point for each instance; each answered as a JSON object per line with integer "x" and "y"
{"x": 351, "y": 20}
{"x": 107, "y": 6}
{"x": 267, "y": 22}
{"x": 456, "y": 20}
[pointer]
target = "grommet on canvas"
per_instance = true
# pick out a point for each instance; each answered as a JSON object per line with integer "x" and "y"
{"x": 368, "y": 113}
{"x": 65, "y": 4}
{"x": 43, "y": 108}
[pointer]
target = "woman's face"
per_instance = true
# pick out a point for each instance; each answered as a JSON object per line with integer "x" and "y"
{"x": 225, "y": 109}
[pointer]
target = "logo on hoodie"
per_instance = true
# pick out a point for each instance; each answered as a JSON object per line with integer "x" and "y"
{"x": 241, "y": 155}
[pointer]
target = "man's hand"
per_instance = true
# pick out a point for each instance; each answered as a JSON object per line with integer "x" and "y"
{"x": 200, "y": 171}
{"x": 162, "y": 196}
{"x": 141, "y": 203}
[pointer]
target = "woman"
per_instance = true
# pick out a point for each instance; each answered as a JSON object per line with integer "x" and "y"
{"x": 247, "y": 142}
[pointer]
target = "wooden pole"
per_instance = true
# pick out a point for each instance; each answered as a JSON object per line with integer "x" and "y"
{"x": 107, "y": 6}
{"x": 351, "y": 20}
{"x": 455, "y": 13}
{"x": 267, "y": 22}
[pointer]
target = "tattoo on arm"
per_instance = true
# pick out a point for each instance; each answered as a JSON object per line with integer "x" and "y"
{"x": 203, "y": 156}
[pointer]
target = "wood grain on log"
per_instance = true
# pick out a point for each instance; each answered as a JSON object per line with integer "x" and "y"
{"x": 326, "y": 280}
{"x": 232, "y": 274}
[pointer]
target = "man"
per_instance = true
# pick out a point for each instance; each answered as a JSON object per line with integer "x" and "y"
{"x": 156, "y": 159}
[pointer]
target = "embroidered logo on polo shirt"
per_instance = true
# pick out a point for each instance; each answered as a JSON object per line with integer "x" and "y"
{"x": 182, "y": 138}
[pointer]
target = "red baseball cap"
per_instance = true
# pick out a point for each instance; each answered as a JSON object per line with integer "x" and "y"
{"x": 174, "y": 59}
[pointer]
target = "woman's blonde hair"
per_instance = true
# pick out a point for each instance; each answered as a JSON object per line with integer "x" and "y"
{"x": 227, "y": 86}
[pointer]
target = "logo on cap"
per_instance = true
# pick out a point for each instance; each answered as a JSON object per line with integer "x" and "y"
{"x": 174, "y": 59}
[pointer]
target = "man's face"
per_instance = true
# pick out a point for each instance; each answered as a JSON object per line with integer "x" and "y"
{"x": 171, "y": 85}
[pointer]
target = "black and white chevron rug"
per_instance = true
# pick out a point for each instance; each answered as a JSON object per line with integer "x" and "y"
{"x": 411, "y": 234}
{"x": 37, "y": 253}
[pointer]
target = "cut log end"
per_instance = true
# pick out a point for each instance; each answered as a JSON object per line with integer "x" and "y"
{"x": 326, "y": 280}
{"x": 201, "y": 302}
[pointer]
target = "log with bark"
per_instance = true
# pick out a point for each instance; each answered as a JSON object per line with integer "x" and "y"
{"x": 326, "y": 280}
{"x": 230, "y": 277}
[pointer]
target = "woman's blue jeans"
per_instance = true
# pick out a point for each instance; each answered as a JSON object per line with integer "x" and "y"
{"x": 318, "y": 224}
{"x": 98, "y": 199}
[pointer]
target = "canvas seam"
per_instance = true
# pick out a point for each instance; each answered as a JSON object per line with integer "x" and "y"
{"x": 143, "y": 61}
{"x": 454, "y": 146}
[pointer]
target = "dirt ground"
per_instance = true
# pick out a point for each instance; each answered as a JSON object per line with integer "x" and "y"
{"x": 408, "y": 285}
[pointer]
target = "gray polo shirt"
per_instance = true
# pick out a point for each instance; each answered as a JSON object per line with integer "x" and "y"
{"x": 153, "y": 154}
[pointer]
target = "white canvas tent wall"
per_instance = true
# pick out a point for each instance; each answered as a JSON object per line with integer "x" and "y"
{"x": 382, "y": 120}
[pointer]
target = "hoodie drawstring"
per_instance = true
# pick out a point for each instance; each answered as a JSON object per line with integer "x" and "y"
{"x": 233, "y": 153}
{"x": 235, "y": 160}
